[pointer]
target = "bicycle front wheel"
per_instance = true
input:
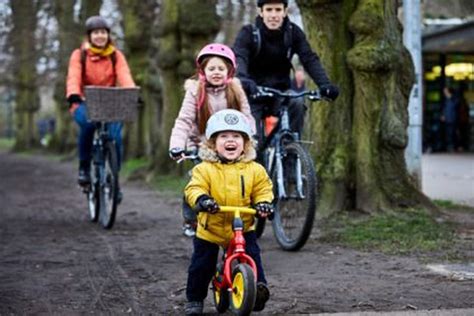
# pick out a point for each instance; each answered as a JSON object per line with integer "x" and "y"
{"x": 109, "y": 187}
{"x": 295, "y": 211}
{"x": 93, "y": 197}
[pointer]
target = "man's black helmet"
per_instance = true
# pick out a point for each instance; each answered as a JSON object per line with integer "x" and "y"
{"x": 260, "y": 3}
{"x": 96, "y": 22}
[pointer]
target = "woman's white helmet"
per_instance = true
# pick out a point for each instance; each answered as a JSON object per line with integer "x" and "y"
{"x": 228, "y": 120}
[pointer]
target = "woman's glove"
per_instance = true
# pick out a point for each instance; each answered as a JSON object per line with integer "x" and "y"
{"x": 74, "y": 98}
{"x": 264, "y": 210}
{"x": 205, "y": 203}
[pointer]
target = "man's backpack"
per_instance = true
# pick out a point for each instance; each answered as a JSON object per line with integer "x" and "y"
{"x": 113, "y": 57}
{"x": 287, "y": 38}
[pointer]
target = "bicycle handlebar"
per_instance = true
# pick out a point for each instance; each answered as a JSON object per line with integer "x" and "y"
{"x": 240, "y": 209}
{"x": 313, "y": 95}
{"x": 188, "y": 155}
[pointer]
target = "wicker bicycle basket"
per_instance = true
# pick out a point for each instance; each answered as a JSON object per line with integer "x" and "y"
{"x": 111, "y": 104}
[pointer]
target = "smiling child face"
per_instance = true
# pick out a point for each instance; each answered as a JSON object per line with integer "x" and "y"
{"x": 230, "y": 145}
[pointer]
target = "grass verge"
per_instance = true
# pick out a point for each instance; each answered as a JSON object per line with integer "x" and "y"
{"x": 6, "y": 143}
{"x": 400, "y": 233}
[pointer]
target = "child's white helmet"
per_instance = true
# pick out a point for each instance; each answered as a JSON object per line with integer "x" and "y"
{"x": 228, "y": 120}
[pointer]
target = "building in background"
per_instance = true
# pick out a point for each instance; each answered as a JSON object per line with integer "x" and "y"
{"x": 448, "y": 61}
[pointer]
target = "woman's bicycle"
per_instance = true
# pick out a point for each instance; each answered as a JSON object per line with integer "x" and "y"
{"x": 235, "y": 281}
{"x": 292, "y": 171}
{"x": 104, "y": 106}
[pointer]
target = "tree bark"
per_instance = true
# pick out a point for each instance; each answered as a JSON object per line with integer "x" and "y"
{"x": 138, "y": 43}
{"x": 25, "y": 58}
{"x": 361, "y": 137}
{"x": 69, "y": 37}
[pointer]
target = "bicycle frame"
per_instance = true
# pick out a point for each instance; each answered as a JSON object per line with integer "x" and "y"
{"x": 282, "y": 133}
{"x": 101, "y": 137}
{"x": 236, "y": 249}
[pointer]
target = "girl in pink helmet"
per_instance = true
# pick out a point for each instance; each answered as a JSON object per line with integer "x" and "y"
{"x": 211, "y": 89}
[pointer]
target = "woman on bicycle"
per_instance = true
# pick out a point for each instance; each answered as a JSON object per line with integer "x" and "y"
{"x": 212, "y": 89}
{"x": 227, "y": 176}
{"x": 99, "y": 63}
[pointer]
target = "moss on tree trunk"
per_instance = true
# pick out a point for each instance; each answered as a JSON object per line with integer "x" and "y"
{"x": 25, "y": 57}
{"x": 361, "y": 137}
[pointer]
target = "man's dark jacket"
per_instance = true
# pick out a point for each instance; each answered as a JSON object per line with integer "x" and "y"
{"x": 271, "y": 66}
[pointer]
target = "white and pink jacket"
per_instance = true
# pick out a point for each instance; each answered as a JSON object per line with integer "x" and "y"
{"x": 185, "y": 133}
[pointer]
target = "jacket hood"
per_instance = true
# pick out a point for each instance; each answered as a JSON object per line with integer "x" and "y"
{"x": 206, "y": 153}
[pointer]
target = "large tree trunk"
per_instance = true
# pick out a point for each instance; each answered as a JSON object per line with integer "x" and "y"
{"x": 138, "y": 43}
{"x": 25, "y": 57}
{"x": 183, "y": 33}
{"x": 362, "y": 136}
{"x": 69, "y": 35}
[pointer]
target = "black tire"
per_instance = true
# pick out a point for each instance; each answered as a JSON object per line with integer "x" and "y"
{"x": 294, "y": 216}
{"x": 109, "y": 187}
{"x": 221, "y": 299}
{"x": 244, "y": 287}
{"x": 93, "y": 198}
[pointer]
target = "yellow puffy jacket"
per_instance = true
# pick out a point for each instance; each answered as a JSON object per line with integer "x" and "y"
{"x": 242, "y": 183}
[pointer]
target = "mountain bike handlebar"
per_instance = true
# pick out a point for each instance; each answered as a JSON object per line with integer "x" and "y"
{"x": 313, "y": 95}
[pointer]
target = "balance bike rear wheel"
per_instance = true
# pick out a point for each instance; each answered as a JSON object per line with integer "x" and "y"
{"x": 244, "y": 291}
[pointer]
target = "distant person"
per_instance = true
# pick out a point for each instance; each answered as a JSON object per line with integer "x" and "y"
{"x": 449, "y": 117}
{"x": 463, "y": 124}
{"x": 298, "y": 83}
{"x": 97, "y": 63}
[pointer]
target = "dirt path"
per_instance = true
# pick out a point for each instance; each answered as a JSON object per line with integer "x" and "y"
{"x": 53, "y": 261}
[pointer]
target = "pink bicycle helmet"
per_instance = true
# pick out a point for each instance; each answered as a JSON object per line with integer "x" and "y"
{"x": 216, "y": 49}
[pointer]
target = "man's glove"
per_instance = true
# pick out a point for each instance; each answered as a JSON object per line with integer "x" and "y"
{"x": 74, "y": 98}
{"x": 205, "y": 203}
{"x": 329, "y": 91}
{"x": 264, "y": 210}
{"x": 176, "y": 153}
{"x": 249, "y": 86}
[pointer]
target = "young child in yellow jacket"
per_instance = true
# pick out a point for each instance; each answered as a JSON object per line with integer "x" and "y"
{"x": 227, "y": 176}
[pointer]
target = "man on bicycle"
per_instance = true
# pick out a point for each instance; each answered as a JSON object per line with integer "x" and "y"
{"x": 264, "y": 52}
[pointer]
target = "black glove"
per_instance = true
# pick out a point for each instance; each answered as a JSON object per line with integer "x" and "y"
{"x": 176, "y": 153}
{"x": 140, "y": 101}
{"x": 264, "y": 210}
{"x": 205, "y": 203}
{"x": 249, "y": 86}
{"x": 74, "y": 98}
{"x": 329, "y": 91}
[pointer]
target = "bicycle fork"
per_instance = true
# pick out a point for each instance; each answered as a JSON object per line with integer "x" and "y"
{"x": 280, "y": 168}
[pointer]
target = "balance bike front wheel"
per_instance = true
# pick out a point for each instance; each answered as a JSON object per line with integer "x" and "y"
{"x": 244, "y": 290}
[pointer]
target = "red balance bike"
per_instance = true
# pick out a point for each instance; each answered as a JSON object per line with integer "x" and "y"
{"x": 235, "y": 282}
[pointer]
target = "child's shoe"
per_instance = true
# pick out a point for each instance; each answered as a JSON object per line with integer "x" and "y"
{"x": 263, "y": 295}
{"x": 194, "y": 308}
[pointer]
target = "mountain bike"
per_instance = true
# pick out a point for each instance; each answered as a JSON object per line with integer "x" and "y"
{"x": 235, "y": 281}
{"x": 106, "y": 105}
{"x": 292, "y": 171}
